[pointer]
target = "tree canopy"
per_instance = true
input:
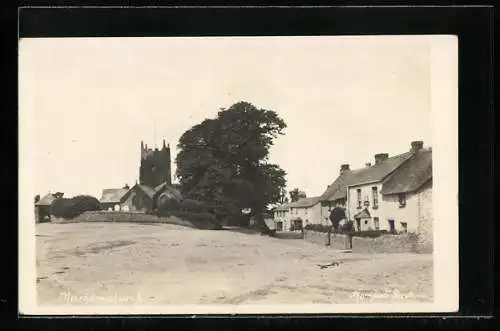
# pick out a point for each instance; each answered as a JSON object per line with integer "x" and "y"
{"x": 297, "y": 194}
{"x": 224, "y": 161}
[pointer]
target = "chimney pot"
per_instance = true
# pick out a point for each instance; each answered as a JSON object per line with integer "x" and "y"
{"x": 368, "y": 164}
{"x": 380, "y": 157}
{"x": 416, "y": 145}
{"x": 344, "y": 167}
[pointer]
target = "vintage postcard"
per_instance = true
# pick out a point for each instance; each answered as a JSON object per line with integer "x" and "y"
{"x": 245, "y": 175}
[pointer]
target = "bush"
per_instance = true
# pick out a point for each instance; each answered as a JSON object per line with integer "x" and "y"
{"x": 203, "y": 220}
{"x": 193, "y": 206}
{"x": 188, "y": 215}
{"x": 318, "y": 227}
{"x": 70, "y": 208}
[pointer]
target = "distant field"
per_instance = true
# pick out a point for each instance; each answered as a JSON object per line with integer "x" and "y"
{"x": 169, "y": 264}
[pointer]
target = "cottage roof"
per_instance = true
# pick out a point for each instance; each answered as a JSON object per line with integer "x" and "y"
{"x": 338, "y": 188}
{"x": 113, "y": 195}
{"x": 46, "y": 200}
{"x": 305, "y": 202}
{"x": 282, "y": 207}
{"x": 411, "y": 175}
{"x": 375, "y": 173}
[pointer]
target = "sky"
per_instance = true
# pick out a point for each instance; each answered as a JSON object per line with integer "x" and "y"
{"x": 86, "y": 103}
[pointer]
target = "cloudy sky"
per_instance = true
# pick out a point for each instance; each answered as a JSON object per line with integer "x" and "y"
{"x": 86, "y": 104}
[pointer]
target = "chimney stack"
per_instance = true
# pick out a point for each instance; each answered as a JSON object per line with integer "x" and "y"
{"x": 381, "y": 157}
{"x": 368, "y": 165}
{"x": 416, "y": 145}
{"x": 344, "y": 167}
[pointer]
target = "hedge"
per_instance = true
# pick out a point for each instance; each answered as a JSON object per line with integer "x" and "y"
{"x": 318, "y": 227}
{"x": 190, "y": 215}
{"x": 70, "y": 208}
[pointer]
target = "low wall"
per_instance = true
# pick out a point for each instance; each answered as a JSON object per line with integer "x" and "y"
{"x": 402, "y": 243}
{"x": 337, "y": 241}
{"x": 425, "y": 245}
{"x": 385, "y": 244}
{"x": 132, "y": 217}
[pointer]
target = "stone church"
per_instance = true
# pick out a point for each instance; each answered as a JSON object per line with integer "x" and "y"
{"x": 155, "y": 166}
{"x": 154, "y": 187}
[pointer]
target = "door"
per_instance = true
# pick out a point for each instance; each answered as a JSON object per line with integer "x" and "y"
{"x": 279, "y": 226}
{"x": 297, "y": 224}
{"x": 391, "y": 226}
{"x": 358, "y": 224}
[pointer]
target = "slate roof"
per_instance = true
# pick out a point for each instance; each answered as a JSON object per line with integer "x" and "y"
{"x": 338, "y": 188}
{"x": 113, "y": 195}
{"x": 170, "y": 189}
{"x": 411, "y": 175}
{"x": 375, "y": 173}
{"x": 305, "y": 202}
{"x": 283, "y": 207}
{"x": 150, "y": 191}
{"x": 363, "y": 214}
{"x": 46, "y": 200}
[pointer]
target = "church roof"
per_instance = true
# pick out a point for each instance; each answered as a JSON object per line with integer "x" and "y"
{"x": 165, "y": 187}
{"x": 113, "y": 195}
{"x": 150, "y": 191}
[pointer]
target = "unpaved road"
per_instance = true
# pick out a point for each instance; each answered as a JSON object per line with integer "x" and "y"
{"x": 108, "y": 263}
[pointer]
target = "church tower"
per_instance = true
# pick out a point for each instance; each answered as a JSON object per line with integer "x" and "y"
{"x": 155, "y": 166}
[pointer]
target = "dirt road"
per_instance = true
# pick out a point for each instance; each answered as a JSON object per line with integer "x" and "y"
{"x": 108, "y": 263}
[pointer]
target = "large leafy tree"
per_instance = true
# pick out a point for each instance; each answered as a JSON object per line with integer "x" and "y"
{"x": 224, "y": 161}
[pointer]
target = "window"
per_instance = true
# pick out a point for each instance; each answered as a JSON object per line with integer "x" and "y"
{"x": 375, "y": 197}
{"x": 305, "y": 211}
{"x": 404, "y": 227}
{"x": 376, "y": 223}
{"x": 359, "y": 197}
{"x": 402, "y": 200}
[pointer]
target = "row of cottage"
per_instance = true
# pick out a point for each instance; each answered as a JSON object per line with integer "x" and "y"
{"x": 393, "y": 194}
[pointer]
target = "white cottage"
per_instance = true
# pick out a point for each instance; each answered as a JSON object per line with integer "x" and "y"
{"x": 393, "y": 194}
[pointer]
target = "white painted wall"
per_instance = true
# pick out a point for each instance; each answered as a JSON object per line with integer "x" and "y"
{"x": 366, "y": 194}
{"x": 388, "y": 208}
{"x": 309, "y": 215}
{"x": 282, "y": 216}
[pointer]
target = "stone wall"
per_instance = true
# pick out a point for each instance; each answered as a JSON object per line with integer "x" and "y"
{"x": 338, "y": 241}
{"x": 401, "y": 243}
{"x": 131, "y": 217}
{"x": 425, "y": 219}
